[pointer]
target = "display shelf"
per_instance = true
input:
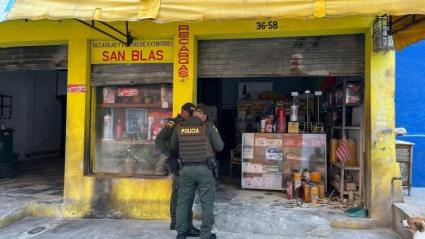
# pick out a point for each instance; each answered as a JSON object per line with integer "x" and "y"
{"x": 341, "y": 130}
{"x": 127, "y": 142}
{"x": 338, "y": 188}
{"x": 348, "y": 105}
{"x": 341, "y": 107}
{"x": 340, "y": 83}
{"x": 5, "y": 107}
{"x": 123, "y": 105}
{"x": 348, "y": 127}
{"x": 338, "y": 165}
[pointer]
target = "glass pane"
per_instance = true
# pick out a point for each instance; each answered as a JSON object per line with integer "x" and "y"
{"x": 128, "y": 119}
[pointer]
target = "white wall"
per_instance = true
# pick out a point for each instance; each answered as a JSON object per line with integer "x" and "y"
{"x": 36, "y": 111}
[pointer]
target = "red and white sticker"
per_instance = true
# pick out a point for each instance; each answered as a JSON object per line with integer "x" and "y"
{"x": 77, "y": 88}
{"x": 128, "y": 91}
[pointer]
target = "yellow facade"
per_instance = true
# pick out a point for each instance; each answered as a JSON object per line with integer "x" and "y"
{"x": 148, "y": 198}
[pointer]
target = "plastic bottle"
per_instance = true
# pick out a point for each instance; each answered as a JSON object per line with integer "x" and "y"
{"x": 107, "y": 127}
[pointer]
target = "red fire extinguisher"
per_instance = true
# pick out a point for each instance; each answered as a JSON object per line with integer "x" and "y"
{"x": 281, "y": 119}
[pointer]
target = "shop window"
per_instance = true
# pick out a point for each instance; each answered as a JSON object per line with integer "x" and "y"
{"x": 127, "y": 122}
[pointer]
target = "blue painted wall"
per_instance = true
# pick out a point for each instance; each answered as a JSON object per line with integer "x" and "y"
{"x": 410, "y": 104}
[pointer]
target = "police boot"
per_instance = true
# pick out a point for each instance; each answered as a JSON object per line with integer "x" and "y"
{"x": 213, "y": 236}
{"x": 172, "y": 226}
{"x": 181, "y": 236}
{"x": 193, "y": 232}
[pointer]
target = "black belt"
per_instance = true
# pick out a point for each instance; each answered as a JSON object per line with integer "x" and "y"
{"x": 195, "y": 163}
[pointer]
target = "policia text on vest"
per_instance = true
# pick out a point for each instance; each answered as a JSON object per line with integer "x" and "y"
{"x": 196, "y": 143}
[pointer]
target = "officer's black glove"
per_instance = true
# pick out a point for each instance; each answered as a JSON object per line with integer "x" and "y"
{"x": 173, "y": 164}
{"x": 213, "y": 165}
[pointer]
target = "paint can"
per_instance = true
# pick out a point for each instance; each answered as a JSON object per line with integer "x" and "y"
{"x": 289, "y": 190}
{"x": 297, "y": 185}
{"x": 315, "y": 176}
{"x": 307, "y": 192}
{"x": 333, "y": 147}
{"x": 321, "y": 191}
{"x": 314, "y": 194}
{"x": 306, "y": 175}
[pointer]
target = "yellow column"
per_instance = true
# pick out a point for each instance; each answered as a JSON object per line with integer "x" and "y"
{"x": 184, "y": 76}
{"x": 381, "y": 190}
{"x": 76, "y": 192}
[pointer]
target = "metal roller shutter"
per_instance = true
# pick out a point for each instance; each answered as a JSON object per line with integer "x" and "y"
{"x": 131, "y": 74}
{"x": 34, "y": 58}
{"x": 302, "y": 56}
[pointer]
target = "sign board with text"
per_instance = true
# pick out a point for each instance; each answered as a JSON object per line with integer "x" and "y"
{"x": 140, "y": 51}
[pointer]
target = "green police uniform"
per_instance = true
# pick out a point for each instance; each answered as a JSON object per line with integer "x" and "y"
{"x": 163, "y": 143}
{"x": 196, "y": 143}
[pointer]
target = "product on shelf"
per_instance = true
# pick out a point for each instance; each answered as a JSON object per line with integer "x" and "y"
{"x": 108, "y": 95}
{"x": 107, "y": 127}
{"x": 353, "y": 93}
{"x": 156, "y": 123}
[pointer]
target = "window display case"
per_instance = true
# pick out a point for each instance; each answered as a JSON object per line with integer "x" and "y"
{"x": 128, "y": 119}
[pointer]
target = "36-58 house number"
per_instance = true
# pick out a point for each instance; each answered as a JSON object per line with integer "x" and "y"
{"x": 267, "y": 25}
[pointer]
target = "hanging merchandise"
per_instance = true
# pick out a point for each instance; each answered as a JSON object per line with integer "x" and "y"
{"x": 164, "y": 102}
{"x": 108, "y": 95}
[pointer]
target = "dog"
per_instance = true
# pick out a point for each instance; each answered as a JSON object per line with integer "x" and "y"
{"x": 416, "y": 225}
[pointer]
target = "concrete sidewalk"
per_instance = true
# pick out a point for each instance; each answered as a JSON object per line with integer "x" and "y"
{"x": 37, "y": 190}
{"x": 49, "y": 228}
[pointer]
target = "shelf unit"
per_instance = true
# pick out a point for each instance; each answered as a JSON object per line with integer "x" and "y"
{"x": 5, "y": 107}
{"x": 342, "y": 130}
{"x": 123, "y": 105}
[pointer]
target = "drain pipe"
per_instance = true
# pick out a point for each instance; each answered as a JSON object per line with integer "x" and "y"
{"x": 392, "y": 183}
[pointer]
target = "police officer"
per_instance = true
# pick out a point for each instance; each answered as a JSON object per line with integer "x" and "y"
{"x": 163, "y": 143}
{"x": 196, "y": 140}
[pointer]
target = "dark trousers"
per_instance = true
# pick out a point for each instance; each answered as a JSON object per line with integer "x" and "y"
{"x": 173, "y": 204}
{"x": 194, "y": 178}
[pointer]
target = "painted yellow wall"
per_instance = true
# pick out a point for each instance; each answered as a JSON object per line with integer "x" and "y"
{"x": 380, "y": 136}
{"x": 149, "y": 198}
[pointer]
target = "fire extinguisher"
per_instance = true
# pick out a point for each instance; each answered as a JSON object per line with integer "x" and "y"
{"x": 281, "y": 119}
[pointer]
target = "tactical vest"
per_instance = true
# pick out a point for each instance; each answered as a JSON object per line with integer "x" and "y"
{"x": 194, "y": 144}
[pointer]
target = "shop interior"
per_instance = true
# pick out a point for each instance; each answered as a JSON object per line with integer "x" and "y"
{"x": 298, "y": 138}
{"x": 33, "y": 126}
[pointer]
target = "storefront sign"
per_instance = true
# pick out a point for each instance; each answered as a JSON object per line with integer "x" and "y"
{"x": 142, "y": 51}
{"x": 76, "y": 88}
{"x": 128, "y": 92}
{"x": 183, "y": 55}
